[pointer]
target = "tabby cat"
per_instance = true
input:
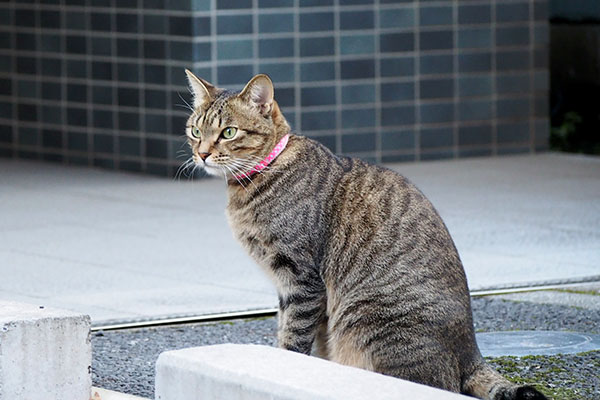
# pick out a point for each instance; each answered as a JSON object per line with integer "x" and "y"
{"x": 366, "y": 271}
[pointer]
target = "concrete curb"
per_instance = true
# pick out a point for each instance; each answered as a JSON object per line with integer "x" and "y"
{"x": 255, "y": 372}
{"x": 45, "y": 353}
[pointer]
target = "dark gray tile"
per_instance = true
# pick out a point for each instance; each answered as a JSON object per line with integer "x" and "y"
{"x": 475, "y": 38}
{"x": 103, "y": 119}
{"x": 512, "y": 108}
{"x": 436, "y": 137}
{"x": 313, "y": 22}
{"x": 51, "y": 91}
{"x": 77, "y": 141}
{"x": 202, "y": 51}
{"x": 354, "y": 94}
{"x": 357, "y": 69}
{"x": 154, "y": 49}
{"x": 128, "y": 97}
{"x": 318, "y": 46}
{"x": 182, "y": 26}
{"x": 155, "y": 99}
{"x": 5, "y": 87}
{"x": 436, "y": 88}
{"x": 317, "y": 71}
{"x": 317, "y": 96}
{"x": 275, "y": 3}
{"x": 541, "y": 106}
{"x": 286, "y": 97}
{"x": 437, "y": 155}
{"x": 51, "y": 66}
{"x": 512, "y": 12}
{"x": 156, "y": 148}
{"x": 397, "y": 91}
{"x": 130, "y": 166}
{"x": 278, "y": 72}
{"x": 180, "y": 50}
{"x": 52, "y": 138}
{"x": 398, "y": 139}
{"x": 398, "y": 115}
{"x": 540, "y": 58}
{"x": 28, "y": 136}
{"x": 234, "y": 24}
{"x": 396, "y": 42}
{"x": 129, "y": 121}
{"x": 275, "y": 48}
{"x": 397, "y": 18}
{"x": 358, "y": 118}
{"x": 76, "y": 44}
{"x": 233, "y": 4}
{"x": 101, "y": 22}
{"x": 77, "y": 93}
{"x": 436, "y": 112}
{"x": 513, "y": 132}
{"x": 127, "y": 47}
{"x": 357, "y": 44}
{"x": 475, "y": 85}
{"x": 350, "y": 20}
{"x": 318, "y": 120}
{"x": 435, "y": 15}
{"x": 27, "y": 89}
{"x": 101, "y": 46}
{"x": 475, "y": 135}
{"x": 103, "y": 143}
{"x": 24, "y": 41}
{"x": 127, "y": 23}
{"x": 474, "y": 110}
{"x": 102, "y": 94}
{"x": 271, "y": 23}
{"x": 77, "y": 116}
{"x": 24, "y": 18}
{"x": 52, "y": 115}
{"x": 155, "y": 24}
{"x": 357, "y": 143}
{"x": 49, "y": 19}
{"x": 397, "y": 66}
{"x": 397, "y": 158}
{"x": 475, "y": 62}
{"x": 512, "y": 60}
{"x": 512, "y": 36}
{"x": 512, "y": 83}
{"x": 25, "y": 112}
{"x": 315, "y": 3}
{"x": 75, "y": 20}
{"x": 484, "y": 151}
{"x": 355, "y": 2}
{"x": 102, "y": 70}
{"x": 234, "y": 49}
{"x": 155, "y": 74}
{"x": 6, "y": 110}
{"x": 328, "y": 141}
{"x": 474, "y": 14}
{"x": 436, "y": 40}
{"x": 541, "y": 10}
{"x": 130, "y": 146}
{"x": 6, "y": 41}
{"x": 234, "y": 74}
{"x": 436, "y": 64}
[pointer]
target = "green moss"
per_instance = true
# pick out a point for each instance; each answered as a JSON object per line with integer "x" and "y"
{"x": 586, "y": 292}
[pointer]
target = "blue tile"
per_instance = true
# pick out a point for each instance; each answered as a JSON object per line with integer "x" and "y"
{"x": 233, "y": 4}
{"x": 396, "y": 42}
{"x": 398, "y": 115}
{"x": 358, "y": 118}
{"x": 28, "y": 136}
{"x": 52, "y": 115}
{"x": 77, "y": 116}
{"x": 357, "y": 143}
{"x": 279, "y": 72}
{"x": 398, "y": 139}
{"x": 512, "y": 36}
{"x": 357, "y": 69}
{"x": 435, "y": 15}
{"x": 354, "y": 94}
{"x": 128, "y": 97}
{"x": 436, "y": 88}
{"x": 357, "y": 44}
{"x": 201, "y": 26}
{"x": 101, "y": 22}
{"x": 317, "y": 46}
{"x": 202, "y": 51}
{"x": 101, "y": 46}
{"x": 512, "y": 132}
{"x": 286, "y": 97}
{"x": 397, "y": 66}
{"x": 436, "y": 137}
{"x": 436, "y": 40}
{"x": 318, "y": 120}
{"x": 397, "y": 91}
{"x": 155, "y": 99}
{"x": 350, "y": 20}
{"x": 234, "y": 74}
{"x": 476, "y": 62}
{"x": 156, "y": 148}
{"x": 313, "y": 22}
{"x": 512, "y": 108}
{"x": 483, "y": 151}
{"x": 397, "y": 18}
{"x": 77, "y": 93}
{"x": 102, "y": 119}
{"x": 317, "y": 71}
{"x": 182, "y": 26}
{"x": 275, "y": 3}
{"x": 474, "y": 14}
{"x": 436, "y": 112}
{"x": 315, "y": 3}
{"x": 274, "y": 48}
{"x": 355, "y": 2}
{"x": 270, "y": 23}
{"x": 127, "y": 48}
{"x": 180, "y": 50}
{"x": 436, "y": 64}
{"x": 130, "y": 121}
{"x": 477, "y": 85}
{"x": 474, "y": 38}
{"x": 51, "y": 66}
{"x": 328, "y": 141}
{"x": 127, "y": 23}
{"x": 512, "y": 60}
{"x": 155, "y": 24}
{"x": 512, "y": 12}
{"x": 474, "y": 135}
{"x": 158, "y": 124}
{"x": 130, "y": 146}
{"x": 201, "y": 5}
{"x": 234, "y": 24}
{"x": 102, "y": 94}
{"x": 512, "y": 83}
{"x": 234, "y": 49}
{"x": 77, "y": 141}
{"x": 102, "y": 70}
{"x": 473, "y": 110}
{"x": 541, "y": 80}
{"x": 317, "y": 96}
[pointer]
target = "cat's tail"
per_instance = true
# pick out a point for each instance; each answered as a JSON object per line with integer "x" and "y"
{"x": 486, "y": 383}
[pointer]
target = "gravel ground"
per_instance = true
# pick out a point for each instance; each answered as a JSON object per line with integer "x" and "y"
{"x": 124, "y": 360}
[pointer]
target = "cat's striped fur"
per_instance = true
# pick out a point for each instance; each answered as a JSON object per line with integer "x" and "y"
{"x": 366, "y": 271}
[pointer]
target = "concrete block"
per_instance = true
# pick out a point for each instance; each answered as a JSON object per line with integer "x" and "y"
{"x": 245, "y": 372}
{"x": 45, "y": 354}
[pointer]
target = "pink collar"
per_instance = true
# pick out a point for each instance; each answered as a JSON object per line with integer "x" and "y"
{"x": 267, "y": 160}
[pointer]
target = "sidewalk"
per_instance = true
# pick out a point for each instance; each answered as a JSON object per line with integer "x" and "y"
{"x": 126, "y": 247}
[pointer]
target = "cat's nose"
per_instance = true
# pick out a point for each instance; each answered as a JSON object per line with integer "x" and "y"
{"x": 204, "y": 156}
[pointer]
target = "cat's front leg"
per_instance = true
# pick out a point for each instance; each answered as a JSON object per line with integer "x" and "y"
{"x": 301, "y": 312}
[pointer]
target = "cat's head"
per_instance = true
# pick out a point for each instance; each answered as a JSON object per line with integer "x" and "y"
{"x": 231, "y": 132}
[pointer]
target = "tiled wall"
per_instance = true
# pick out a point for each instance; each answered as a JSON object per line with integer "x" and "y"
{"x": 98, "y": 82}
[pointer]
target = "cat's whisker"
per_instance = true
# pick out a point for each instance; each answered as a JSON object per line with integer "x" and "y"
{"x": 186, "y": 103}
{"x": 182, "y": 168}
{"x": 236, "y": 178}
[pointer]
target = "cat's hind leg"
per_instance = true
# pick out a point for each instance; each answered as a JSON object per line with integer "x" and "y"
{"x": 321, "y": 346}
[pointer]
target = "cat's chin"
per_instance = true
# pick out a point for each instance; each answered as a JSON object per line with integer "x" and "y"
{"x": 214, "y": 171}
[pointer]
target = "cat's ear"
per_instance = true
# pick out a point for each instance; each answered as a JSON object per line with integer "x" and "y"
{"x": 259, "y": 92}
{"x": 201, "y": 89}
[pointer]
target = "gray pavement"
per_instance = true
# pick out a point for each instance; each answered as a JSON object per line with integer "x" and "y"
{"x": 127, "y": 247}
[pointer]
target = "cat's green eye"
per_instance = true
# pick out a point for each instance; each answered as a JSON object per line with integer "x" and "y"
{"x": 229, "y": 132}
{"x": 196, "y": 132}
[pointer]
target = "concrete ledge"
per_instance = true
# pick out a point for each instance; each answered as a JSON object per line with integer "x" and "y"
{"x": 259, "y": 372}
{"x": 44, "y": 353}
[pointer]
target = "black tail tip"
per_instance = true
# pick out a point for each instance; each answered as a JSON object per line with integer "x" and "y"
{"x": 528, "y": 393}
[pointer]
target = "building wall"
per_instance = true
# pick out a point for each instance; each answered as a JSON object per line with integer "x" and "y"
{"x": 101, "y": 82}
